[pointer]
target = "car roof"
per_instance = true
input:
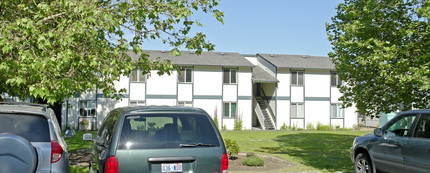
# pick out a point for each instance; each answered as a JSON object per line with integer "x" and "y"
{"x": 417, "y": 111}
{"x": 28, "y": 108}
{"x": 161, "y": 109}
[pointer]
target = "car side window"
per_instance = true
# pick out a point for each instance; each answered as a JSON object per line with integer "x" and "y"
{"x": 423, "y": 127}
{"x": 401, "y": 126}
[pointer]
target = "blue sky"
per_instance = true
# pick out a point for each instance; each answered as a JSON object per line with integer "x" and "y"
{"x": 268, "y": 26}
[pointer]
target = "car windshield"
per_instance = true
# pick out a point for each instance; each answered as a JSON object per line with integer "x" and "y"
{"x": 31, "y": 127}
{"x": 157, "y": 131}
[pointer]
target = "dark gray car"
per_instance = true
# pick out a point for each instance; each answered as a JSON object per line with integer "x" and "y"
{"x": 401, "y": 145}
{"x": 30, "y": 139}
{"x": 159, "y": 139}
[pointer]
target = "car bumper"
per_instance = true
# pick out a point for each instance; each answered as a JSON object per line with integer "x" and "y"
{"x": 352, "y": 154}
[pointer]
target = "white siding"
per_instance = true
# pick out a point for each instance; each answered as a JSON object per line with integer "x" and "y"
{"x": 317, "y": 112}
{"x": 284, "y": 84}
{"x": 208, "y": 81}
{"x": 335, "y": 95}
{"x": 298, "y": 123}
{"x": 230, "y": 93}
{"x": 245, "y": 82}
{"x": 283, "y": 113}
{"x": 161, "y": 85}
{"x": 245, "y": 111}
{"x": 161, "y": 102}
{"x": 297, "y": 94}
{"x": 137, "y": 91}
{"x": 317, "y": 83}
{"x": 185, "y": 92}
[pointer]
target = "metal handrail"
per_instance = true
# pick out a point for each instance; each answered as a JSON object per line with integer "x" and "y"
{"x": 272, "y": 115}
{"x": 259, "y": 113}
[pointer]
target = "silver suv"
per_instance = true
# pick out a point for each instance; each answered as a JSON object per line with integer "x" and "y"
{"x": 401, "y": 145}
{"x": 30, "y": 139}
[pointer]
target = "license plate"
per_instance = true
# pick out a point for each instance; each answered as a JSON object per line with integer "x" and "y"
{"x": 171, "y": 167}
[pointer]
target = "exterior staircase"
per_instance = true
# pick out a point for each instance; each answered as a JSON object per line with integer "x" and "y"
{"x": 264, "y": 114}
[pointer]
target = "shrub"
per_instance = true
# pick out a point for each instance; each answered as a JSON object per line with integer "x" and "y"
{"x": 310, "y": 126}
{"x": 216, "y": 118}
{"x": 250, "y": 154}
{"x": 224, "y": 127}
{"x": 232, "y": 147}
{"x": 322, "y": 127}
{"x": 357, "y": 126}
{"x": 238, "y": 124}
{"x": 284, "y": 127}
{"x": 216, "y": 121}
{"x": 253, "y": 161}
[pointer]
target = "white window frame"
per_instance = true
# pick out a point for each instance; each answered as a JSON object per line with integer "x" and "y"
{"x": 298, "y": 111}
{"x": 139, "y": 77}
{"x": 185, "y": 103}
{"x": 335, "y": 78}
{"x": 230, "y": 75}
{"x": 86, "y": 106}
{"x": 297, "y": 78}
{"x": 183, "y": 75}
{"x": 137, "y": 103}
{"x": 336, "y": 110}
{"x": 229, "y": 110}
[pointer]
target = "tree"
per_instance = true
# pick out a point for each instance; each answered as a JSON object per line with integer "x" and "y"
{"x": 381, "y": 50}
{"x": 55, "y": 49}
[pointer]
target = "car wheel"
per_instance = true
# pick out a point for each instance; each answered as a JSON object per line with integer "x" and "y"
{"x": 362, "y": 164}
{"x": 16, "y": 154}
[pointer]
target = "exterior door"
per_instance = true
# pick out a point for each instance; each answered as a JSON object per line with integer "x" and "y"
{"x": 388, "y": 151}
{"x": 417, "y": 149}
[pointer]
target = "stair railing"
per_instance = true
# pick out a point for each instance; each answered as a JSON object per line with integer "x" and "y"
{"x": 259, "y": 113}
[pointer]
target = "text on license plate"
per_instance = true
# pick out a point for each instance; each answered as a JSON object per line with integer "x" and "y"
{"x": 171, "y": 167}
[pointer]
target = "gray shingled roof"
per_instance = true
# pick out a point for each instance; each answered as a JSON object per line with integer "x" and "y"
{"x": 262, "y": 76}
{"x": 188, "y": 58}
{"x": 299, "y": 61}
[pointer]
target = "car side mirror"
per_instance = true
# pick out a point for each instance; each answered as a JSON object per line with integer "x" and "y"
{"x": 69, "y": 134}
{"x": 87, "y": 137}
{"x": 378, "y": 132}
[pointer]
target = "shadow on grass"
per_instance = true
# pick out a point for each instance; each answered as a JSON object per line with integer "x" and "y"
{"x": 77, "y": 143}
{"x": 323, "y": 151}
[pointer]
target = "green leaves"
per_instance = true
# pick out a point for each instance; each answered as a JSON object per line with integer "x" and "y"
{"x": 380, "y": 49}
{"x": 56, "y": 49}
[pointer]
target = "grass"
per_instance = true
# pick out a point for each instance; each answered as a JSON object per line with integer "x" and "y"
{"x": 322, "y": 151}
{"x": 77, "y": 143}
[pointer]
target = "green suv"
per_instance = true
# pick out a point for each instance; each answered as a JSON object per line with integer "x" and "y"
{"x": 158, "y": 139}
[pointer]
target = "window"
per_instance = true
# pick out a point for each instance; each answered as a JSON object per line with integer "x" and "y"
{"x": 423, "y": 127}
{"x": 334, "y": 79}
{"x": 185, "y": 75}
{"x": 297, "y": 110}
{"x": 162, "y": 130}
{"x": 137, "y": 103}
{"x": 185, "y": 104}
{"x": 337, "y": 111}
{"x": 87, "y": 108}
{"x": 297, "y": 77}
{"x": 137, "y": 76}
{"x": 230, "y": 76}
{"x": 229, "y": 110}
{"x": 401, "y": 126}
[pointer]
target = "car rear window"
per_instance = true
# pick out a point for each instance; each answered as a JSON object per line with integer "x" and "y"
{"x": 31, "y": 127}
{"x": 158, "y": 131}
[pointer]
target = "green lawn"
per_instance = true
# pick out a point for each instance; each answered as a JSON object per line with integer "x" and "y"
{"x": 322, "y": 151}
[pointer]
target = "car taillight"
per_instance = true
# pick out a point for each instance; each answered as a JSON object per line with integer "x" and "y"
{"x": 56, "y": 151}
{"x": 111, "y": 165}
{"x": 224, "y": 163}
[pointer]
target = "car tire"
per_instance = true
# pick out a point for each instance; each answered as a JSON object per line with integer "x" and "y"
{"x": 16, "y": 154}
{"x": 363, "y": 164}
